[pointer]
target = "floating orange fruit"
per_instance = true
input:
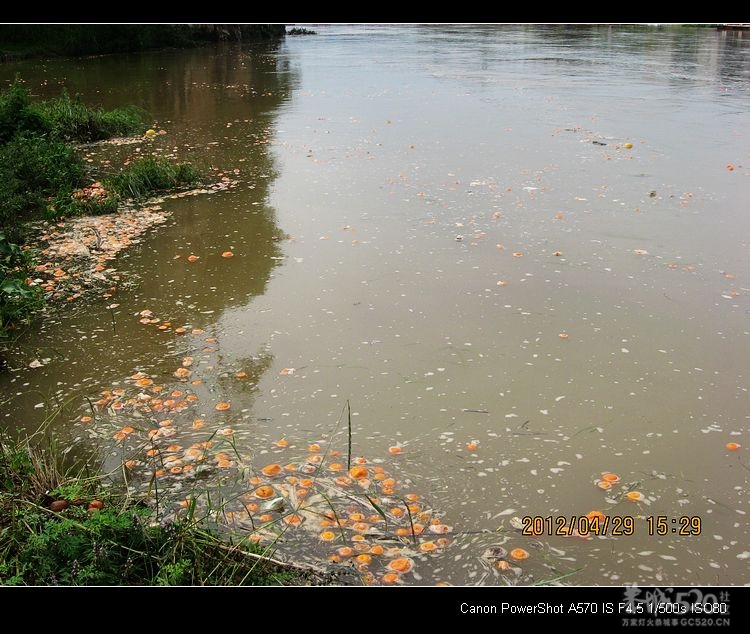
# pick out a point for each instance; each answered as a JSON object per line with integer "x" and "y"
{"x": 503, "y": 565}
{"x": 402, "y": 564}
{"x": 635, "y": 496}
{"x": 182, "y": 373}
{"x": 519, "y": 554}
{"x": 603, "y": 484}
{"x": 390, "y": 578}
{"x": 364, "y": 558}
{"x": 517, "y": 254}
{"x": 428, "y": 547}
{"x": 227, "y": 254}
{"x": 144, "y": 382}
{"x": 264, "y": 492}
{"x": 222, "y": 407}
{"x": 193, "y": 258}
{"x": 733, "y": 446}
{"x": 282, "y": 442}
{"x": 610, "y": 477}
{"x": 473, "y": 445}
{"x": 345, "y": 551}
{"x": 271, "y": 469}
{"x": 85, "y": 419}
{"x": 596, "y": 516}
{"x": 394, "y": 450}
{"x": 293, "y": 519}
{"x": 358, "y": 472}
{"x": 327, "y": 536}
{"x": 240, "y": 375}
{"x": 314, "y": 447}
{"x": 439, "y": 528}
{"x": 564, "y": 335}
{"x": 377, "y": 550}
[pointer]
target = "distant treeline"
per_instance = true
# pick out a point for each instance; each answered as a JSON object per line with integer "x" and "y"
{"x": 19, "y": 40}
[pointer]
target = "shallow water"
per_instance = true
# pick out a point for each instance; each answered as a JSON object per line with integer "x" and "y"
{"x": 420, "y": 214}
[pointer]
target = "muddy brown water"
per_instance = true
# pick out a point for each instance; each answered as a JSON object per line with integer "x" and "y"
{"x": 530, "y": 238}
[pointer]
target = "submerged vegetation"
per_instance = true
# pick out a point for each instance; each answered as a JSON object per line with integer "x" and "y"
{"x": 44, "y": 177}
{"x": 60, "y": 526}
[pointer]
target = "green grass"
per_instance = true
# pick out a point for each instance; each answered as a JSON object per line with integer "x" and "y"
{"x": 68, "y": 119}
{"x": 148, "y": 175}
{"x": 52, "y": 534}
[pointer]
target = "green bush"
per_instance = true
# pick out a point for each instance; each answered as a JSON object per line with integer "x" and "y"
{"x": 16, "y": 114}
{"x": 34, "y": 169}
{"x": 18, "y": 300}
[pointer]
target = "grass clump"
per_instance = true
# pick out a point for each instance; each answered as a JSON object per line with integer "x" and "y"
{"x": 69, "y": 119}
{"x": 149, "y": 174}
{"x": 60, "y": 527}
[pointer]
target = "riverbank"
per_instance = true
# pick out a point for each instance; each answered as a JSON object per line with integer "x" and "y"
{"x": 18, "y": 41}
{"x": 61, "y": 526}
{"x": 59, "y": 225}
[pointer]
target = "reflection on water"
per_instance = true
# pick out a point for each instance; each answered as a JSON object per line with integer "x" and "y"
{"x": 518, "y": 252}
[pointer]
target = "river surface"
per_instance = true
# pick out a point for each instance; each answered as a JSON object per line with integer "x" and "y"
{"x": 489, "y": 263}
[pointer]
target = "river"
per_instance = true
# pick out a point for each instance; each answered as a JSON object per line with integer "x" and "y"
{"x": 490, "y": 263}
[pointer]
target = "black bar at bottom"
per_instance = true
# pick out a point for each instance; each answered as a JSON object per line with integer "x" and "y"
{"x": 623, "y": 607}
